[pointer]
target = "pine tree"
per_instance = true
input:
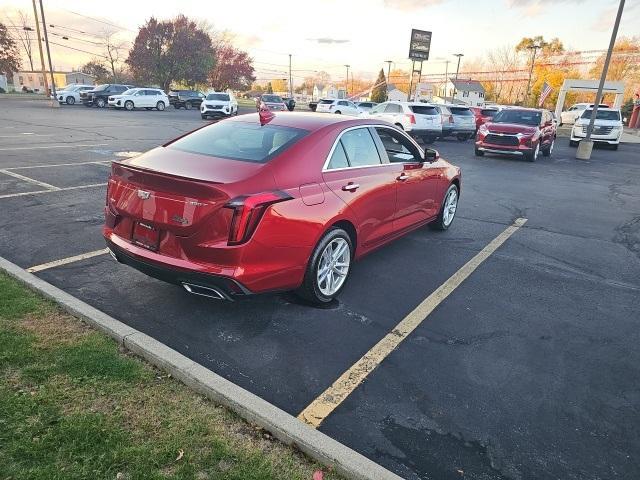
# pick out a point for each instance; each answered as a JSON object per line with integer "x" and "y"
{"x": 379, "y": 92}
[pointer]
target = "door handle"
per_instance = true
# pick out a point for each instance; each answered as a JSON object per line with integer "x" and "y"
{"x": 350, "y": 187}
{"x": 403, "y": 177}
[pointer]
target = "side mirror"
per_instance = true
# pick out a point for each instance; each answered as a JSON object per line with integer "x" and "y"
{"x": 431, "y": 155}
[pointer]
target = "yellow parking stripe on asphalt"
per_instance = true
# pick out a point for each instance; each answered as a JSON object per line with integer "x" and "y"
{"x": 333, "y": 396}
{"x": 68, "y": 260}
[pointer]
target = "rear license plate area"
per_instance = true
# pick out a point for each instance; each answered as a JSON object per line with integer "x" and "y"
{"x": 145, "y": 235}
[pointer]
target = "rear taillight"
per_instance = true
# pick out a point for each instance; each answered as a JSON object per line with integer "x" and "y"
{"x": 450, "y": 118}
{"x": 411, "y": 117}
{"x": 247, "y": 212}
{"x": 331, "y": 106}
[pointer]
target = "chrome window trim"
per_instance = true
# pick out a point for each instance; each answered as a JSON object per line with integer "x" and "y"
{"x": 381, "y": 164}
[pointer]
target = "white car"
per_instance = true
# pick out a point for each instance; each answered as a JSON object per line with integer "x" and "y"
{"x": 140, "y": 98}
{"x": 71, "y": 93}
{"x": 218, "y": 104}
{"x": 346, "y": 107}
{"x": 607, "y": 128}
{"x": 366, "y": 106}
{"x": 420, "y": 120}
{"x": 570, "y": 116}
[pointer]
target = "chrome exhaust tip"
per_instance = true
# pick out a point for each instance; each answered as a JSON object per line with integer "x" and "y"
{"x": 209, "y": 292}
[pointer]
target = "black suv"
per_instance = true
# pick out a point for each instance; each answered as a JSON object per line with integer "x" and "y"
{"x": 187, "y": 99}
{"x": 99, "y": 95}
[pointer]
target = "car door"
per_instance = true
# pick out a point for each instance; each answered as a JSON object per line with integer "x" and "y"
{"x": 355, "y": 172}
{"x": 377, "y": 111}
{"x": 391, "y": 112}
{"x": 417, "y": 181}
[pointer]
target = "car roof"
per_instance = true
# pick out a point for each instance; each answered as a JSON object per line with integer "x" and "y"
{"x": 609, "y": 109}
{"x": 306, "y": 120}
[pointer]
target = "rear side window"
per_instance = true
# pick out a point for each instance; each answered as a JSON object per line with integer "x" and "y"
{"x": 424, "y": 110}
{"x": 463, "y": 112}
{"x": 240, "y": 141}
{"x": 338, "y": 158}
{"x": 360, "y": 148}
{"x": 485, "y": 112}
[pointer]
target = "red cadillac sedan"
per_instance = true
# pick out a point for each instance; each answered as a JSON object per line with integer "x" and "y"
{"x": 273, "y": 202}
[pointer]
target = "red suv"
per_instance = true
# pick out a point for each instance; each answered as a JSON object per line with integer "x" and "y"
{"x": 483, "y": 115}
{"x": 518, "y": 131}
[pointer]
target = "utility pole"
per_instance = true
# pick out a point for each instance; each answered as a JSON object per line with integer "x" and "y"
{"x": 446, "y": 75}
{"x": 459, "y": 55}
{"x": 290, "y": 81}
{"x": 413, "y": 68}
{"x": 46, "y": 41}
{"x": 346, "y": 83}
{"x": 585, "y": 146}
{"x": 44, "y": 70}
{"x": 388, "y": 62}
{"x": 535, "y": 48}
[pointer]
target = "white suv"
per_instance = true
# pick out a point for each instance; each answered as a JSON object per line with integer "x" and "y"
{"x": 218, "y": 104}
{"x": 346, "y": 107}
{"x": 71, "y": 93}
{"x": 570, "y": 116}
{"x": 607, "y": 128}
{"x": 140, "y": 98}
{"x": 420, "y": 120}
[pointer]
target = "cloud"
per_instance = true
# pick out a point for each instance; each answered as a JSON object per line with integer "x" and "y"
{"x": 328, "y": 41}
{"x": 410, "y": 5}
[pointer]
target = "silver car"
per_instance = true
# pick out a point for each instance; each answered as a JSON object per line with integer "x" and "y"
{"x": 461, "y": 123}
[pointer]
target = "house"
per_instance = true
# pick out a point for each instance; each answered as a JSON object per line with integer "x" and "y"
{"x": 327, "y": 91}
{"x": 33, "y": 80}
{"x": 394, "y": 94}
{"x": 463, "y": 92}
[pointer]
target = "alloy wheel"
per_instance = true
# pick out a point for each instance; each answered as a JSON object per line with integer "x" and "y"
{"x": 450, "y": 206}
{"x": 333, "y": 266}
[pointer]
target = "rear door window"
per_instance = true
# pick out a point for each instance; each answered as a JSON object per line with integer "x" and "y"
{"x": 360, "y": 148}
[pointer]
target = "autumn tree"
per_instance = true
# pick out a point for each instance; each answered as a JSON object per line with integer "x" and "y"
{"x": 96, "y": 68}
{"x": 9, "y": 55}
{"x": 625, "y": 61}
{"x": 379, "y": 92}
{"x": 171, "y": 51}
{"x": 399, "y": 79}
{"x": 233, "y": 69}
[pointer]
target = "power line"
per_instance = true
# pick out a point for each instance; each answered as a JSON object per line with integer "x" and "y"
{"x": 98, "y": 20}
{"x": 78, "y": 49}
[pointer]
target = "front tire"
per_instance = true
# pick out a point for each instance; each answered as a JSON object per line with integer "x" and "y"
{"x": 160, "y": 106}
{"x": 204, "y": 117}
{"x": 71, "y": 100}
{"x": 532, "y": 155}
{"x": 101, "y": 103}
{"x": 328, "y": 268}
{"x": 188, "y": 106}
{"x": 547, "y": 151}
{"x": 448, "y": 209}
{"x": 128, "y": 105}
{"x": 479, "y": 153}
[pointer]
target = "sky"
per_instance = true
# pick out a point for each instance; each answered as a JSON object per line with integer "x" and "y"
{"x": 328, "y": 34}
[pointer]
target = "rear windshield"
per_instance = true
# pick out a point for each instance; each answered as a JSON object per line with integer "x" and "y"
{"x": 485, "y": 112}
{"x": 520, "y": 117}
{"x": 326, "y": 102}
{"x": 602, "y": 114}
{"x": 271, "y": 99}
{"x": 249, "y": 142}
{"x": 218, "y": 96}
{"x": 464, "y": 112}
{"x": 424, "y": 110}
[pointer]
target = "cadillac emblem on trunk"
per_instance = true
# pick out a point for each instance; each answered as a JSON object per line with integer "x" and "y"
{"x": 143, "y": 194}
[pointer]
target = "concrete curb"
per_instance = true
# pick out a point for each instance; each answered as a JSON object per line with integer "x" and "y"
{"x": 252, "y": 408}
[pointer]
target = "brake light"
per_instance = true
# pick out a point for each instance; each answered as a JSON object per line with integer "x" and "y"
{"x": 247, "y": 212}
{"x": 411, "y": 117}
{"x": 331, "y": 106}
{"x": 450, "y": 118}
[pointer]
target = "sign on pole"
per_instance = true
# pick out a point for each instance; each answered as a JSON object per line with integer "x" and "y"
{"x": 420, "y": 45}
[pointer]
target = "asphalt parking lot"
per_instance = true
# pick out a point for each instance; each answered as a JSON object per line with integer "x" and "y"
{"x": 530, "y": 369}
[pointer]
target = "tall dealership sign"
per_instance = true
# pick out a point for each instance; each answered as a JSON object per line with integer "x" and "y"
{"x": 419, "y": 47}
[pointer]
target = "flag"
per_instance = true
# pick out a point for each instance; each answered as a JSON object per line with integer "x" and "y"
{"x": 546, "y": 90}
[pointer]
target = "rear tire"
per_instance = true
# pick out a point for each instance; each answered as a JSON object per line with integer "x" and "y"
{"x": 399, "y": 125}
{"x": 479, "y": 153}
{"x": 311, "y": 288}
{"x": 188, "y": 106}
{"x": 614, "y": 146}
{"x": 447, "y": 210}
{"x": 160, "y": 106}
{"x": 338, "y": 112}
{"x": 462, "y": 137}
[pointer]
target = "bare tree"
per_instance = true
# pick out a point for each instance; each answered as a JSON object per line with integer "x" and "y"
{"x": 503, "y": 62}
{"x": 113, "y": 53}
{"x": 24, "y": 34}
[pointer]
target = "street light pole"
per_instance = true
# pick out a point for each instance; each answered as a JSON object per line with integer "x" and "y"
{"x": 290, "y": 81}
{"x": 585, "y": 146}
{"x": 459, "y": 55}
{"x": 346, "y": 83}
{"x": 535, "y": 48}
{"x": 46, "y": 42}
{"x": 388, "y": 62}
{"x": 446, "y": 75}
{"x": 44, "y": 70}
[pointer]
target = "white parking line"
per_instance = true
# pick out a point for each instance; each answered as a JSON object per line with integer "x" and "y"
{"x": 68, "y": 260}
{"x": 100, "y": 162}
{"x": 333, "y": 396}
{"x": 30, "y": 180}
{"x": 71, "y": 145}
{"x": 64, "y": 189}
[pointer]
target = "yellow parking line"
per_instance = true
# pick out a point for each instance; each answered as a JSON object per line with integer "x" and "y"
{"x": 66, "y": 261}
{"x": 64, "y": 189}
{"x": 333, "y": 396}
